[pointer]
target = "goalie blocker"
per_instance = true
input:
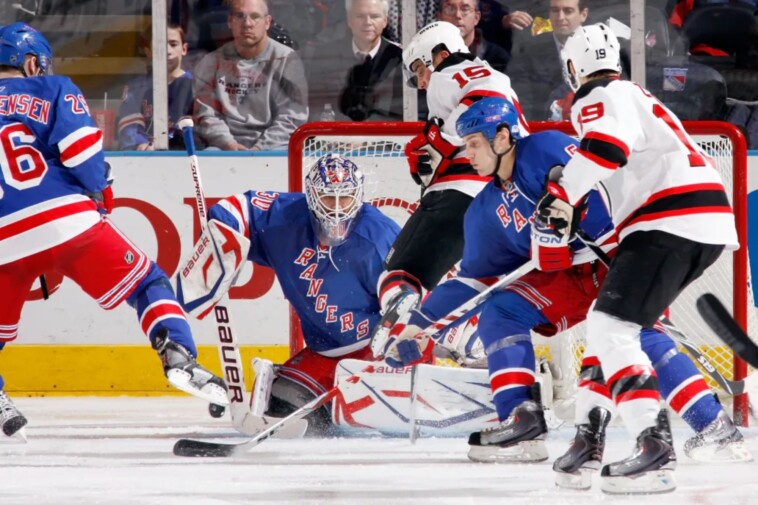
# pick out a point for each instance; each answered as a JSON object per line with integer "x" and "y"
{"x": 217, "y": 258}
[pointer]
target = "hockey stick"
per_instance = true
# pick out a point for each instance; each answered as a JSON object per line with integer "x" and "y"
{"x": 730, "y": 387}
{"x": 726, "y": 328}
{"x": 464, "y": 311}
{"x": 228, "y": 349}
{"x": 200, "y": 448}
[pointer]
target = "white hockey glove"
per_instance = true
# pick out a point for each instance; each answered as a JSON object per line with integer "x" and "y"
{"x": 428, "y": 153}
{"x": 405, "y": 347}
{"x": 216, "y": 260}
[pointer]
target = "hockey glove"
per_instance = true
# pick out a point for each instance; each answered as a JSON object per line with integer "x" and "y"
{"x": 428, "y": 153}
{"x": 555, "y": 224}
{"x": 404, "y": 348}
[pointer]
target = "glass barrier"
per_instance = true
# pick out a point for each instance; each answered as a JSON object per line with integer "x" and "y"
{"x": 342, "y": 59}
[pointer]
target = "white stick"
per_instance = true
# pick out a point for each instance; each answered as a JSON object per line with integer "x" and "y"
{"x": 228, "y": 348}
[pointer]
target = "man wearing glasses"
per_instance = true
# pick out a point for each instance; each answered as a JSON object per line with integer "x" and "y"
{"x": 465, "y": 14}
{"x": 251, "y": 93}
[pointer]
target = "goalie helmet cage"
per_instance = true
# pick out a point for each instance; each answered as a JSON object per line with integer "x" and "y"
{"x": 378, "y": 149}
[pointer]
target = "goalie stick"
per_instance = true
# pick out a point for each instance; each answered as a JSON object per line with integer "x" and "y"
{"x": 730, "y": 387}
{"x": 228, "y": 349}
{"x": 205, "y": 449}
{"x": 727, "y": 329}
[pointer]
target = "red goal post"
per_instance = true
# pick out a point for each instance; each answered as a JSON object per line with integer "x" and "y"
{"x": 378, "y": 149}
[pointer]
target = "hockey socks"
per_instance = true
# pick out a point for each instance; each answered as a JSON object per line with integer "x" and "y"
{"x": 680, "y": 383}
{"x": 511, "y": 374}
{"x": 158, "y": 309}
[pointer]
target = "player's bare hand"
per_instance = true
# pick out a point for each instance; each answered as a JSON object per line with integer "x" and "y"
{"x": 518, "y": 20}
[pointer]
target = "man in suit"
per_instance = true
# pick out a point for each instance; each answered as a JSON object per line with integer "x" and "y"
{"x": 359, "y": 76}
{"x": 536, "y": 67}
{"x": 465, "y": 14}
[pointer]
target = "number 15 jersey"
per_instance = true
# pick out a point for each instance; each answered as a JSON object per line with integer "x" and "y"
{"x": 651, "y": 173}
{"x": 50, "y": 156}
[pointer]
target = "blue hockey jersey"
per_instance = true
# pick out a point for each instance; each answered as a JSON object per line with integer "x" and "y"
{"x": 51, "y": 155}
{"x": 135, "y": 123}
{"x": 497, "y": 225}
{"x": 333, "y": 290}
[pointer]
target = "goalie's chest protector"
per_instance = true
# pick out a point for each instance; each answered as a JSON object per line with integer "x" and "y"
{"x": 332, "y": 291}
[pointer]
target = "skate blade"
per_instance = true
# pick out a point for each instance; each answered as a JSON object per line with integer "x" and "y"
{"x": 252, "y": 425}
{"x": 17, "y": 438}
{"x": 581, "y": 479}
{"x": 735, "y": 452}
{"x": 212, "y": 393}
{"x": 654, "y": 482}
{"x": 530, "y": 451}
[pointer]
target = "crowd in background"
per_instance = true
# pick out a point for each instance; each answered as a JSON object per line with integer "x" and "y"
{"x": 252, "y": 71}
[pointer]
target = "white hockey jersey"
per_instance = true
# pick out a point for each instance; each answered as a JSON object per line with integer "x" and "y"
{"x": 454, "y": 85}
{"x": 652, "y": 174}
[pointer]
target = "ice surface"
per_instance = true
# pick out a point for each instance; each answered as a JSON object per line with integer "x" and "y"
{"x": 118, "y": 451}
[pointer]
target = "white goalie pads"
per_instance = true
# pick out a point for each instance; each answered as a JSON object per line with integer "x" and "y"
{"x": 448, "y": 401}
{"x": 216, "y": 260}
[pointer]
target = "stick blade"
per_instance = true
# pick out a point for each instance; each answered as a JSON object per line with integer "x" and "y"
{"x": 726, "y": 328}
{"x": 200, "y": 449}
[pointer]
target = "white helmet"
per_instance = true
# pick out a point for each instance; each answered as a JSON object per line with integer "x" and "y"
{"x": 590, "y": 49}
{"x": 428, "y": 38}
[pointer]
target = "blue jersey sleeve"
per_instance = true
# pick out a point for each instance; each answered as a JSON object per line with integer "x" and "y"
{"x": 78, "y": 140}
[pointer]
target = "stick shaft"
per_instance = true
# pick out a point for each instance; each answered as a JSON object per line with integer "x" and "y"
{"x": 228, "y": 347}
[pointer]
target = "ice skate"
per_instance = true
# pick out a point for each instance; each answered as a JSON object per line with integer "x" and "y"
{"x": 403, "y": 303}
{"x": 650, "y": 469}
{"x": 11, "y": 420}
{"x": 518, "y": 439}
{"x": 720, "y": 441}
{"x": 574, "y": 470}
{"x": 184, "y": 373}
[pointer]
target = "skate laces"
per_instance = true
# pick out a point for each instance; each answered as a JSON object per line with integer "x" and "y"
{"x": 7, "y": 409}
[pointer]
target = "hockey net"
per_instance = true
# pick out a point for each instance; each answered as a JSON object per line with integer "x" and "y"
{"x": 378, "y": 149}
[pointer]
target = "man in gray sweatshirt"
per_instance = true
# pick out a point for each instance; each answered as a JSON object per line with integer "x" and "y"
{"x": 251, "y": 93}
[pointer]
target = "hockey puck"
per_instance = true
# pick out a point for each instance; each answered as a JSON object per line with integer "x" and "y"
{"x": 216, "y": 410}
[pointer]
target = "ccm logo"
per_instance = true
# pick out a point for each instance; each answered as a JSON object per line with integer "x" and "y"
{"x": 195, "y": 256}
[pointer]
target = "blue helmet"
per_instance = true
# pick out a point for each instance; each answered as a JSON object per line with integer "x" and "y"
{"x": 487, "y": 116}
{"x": 334, "y": 192}
{"x": 19, "y": 39}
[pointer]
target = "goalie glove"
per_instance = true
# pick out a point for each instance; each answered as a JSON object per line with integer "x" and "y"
{"x": 428, "y": 153}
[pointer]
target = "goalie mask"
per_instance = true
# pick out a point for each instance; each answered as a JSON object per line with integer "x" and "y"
{"x": 590, "y": 49}
{"x": 424, "y": 43}
{"x": 334, "y": 192}
{"x": 19, "y": 39}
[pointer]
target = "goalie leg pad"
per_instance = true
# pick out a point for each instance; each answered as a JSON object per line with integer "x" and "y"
{"x": 216, "y": 260}
{"x": 264, "y": 379}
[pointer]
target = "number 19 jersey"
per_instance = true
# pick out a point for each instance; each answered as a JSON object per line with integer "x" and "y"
{"x": 652, "y": 174}
{"x": 50, "y": 156}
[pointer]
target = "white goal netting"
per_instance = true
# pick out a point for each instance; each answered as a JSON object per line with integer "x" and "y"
{"x": 380, "y": 154}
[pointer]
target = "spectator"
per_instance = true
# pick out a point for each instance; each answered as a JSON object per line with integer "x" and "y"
{"x": 536, "y": 67}
{"x": 360, "y": 76}
{"x": 135, "y": 124}
{"x": 465, "y": 14}
{"x": 250, "y": 94}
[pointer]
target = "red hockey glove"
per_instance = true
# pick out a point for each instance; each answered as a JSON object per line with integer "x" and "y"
{"x": 428, "y": 153}
{"x": 553, "y": 227}
{"x": 105, "y": 205}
